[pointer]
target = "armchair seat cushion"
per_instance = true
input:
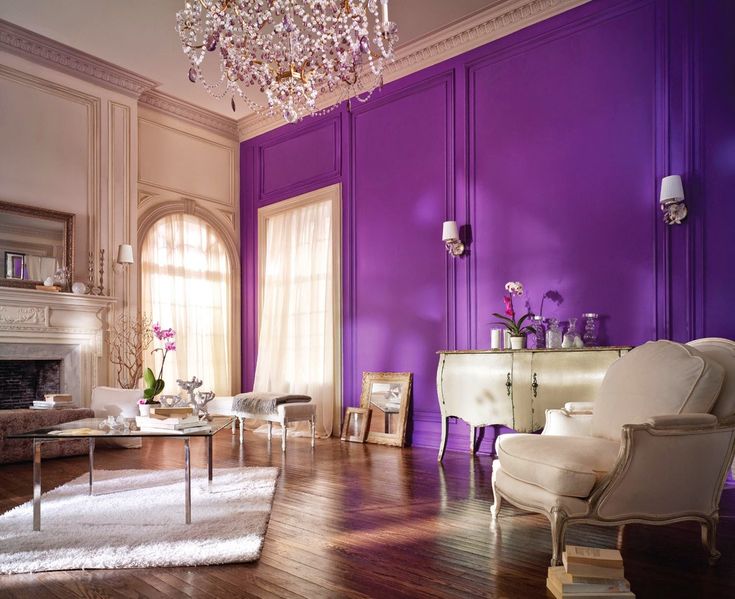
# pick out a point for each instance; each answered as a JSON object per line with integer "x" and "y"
{"x": 568, "y": 466}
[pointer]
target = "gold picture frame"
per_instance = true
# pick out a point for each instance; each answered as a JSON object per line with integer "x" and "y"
{"x": 362, "y": 425}
{"x": 387, "y": 395}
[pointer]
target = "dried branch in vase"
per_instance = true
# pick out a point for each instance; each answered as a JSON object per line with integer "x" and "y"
{"x": 127, "y": 339}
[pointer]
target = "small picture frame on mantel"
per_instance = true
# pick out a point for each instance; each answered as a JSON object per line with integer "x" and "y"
{"x": 356, "y": 425}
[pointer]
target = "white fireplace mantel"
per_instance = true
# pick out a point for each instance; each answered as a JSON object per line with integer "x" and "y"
{"x": 45, "y": 325}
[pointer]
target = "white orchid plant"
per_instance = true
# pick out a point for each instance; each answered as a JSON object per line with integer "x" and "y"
{"x": 515, "y": 327}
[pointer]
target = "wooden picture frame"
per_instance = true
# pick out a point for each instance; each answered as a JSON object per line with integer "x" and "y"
{"x": 362, "y": 423}
{"x": 387, "y": 396}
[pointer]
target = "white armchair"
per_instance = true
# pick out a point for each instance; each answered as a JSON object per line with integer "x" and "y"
{"x": 654, "y": 448}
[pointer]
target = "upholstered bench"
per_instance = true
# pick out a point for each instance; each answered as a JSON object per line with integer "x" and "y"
{"x": 24, "y": 420}
{"x": 275, "y": 407}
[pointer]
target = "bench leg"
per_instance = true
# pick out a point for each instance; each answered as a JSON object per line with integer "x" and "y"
{"x": 242, "y": 430}
{"x": 312, "y": 424}
{"x": 283, "y": 438}
{"x": 270, "y": 431}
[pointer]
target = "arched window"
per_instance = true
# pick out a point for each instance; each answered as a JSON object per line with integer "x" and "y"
{"x": 186, "y": 285}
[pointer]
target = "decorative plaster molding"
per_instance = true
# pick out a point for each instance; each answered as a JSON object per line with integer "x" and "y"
{"x": 198, "y": 116}
{"x": 14, "y": 317}
{"x": 45, "y": 51}
{"x": 492, "y": 23}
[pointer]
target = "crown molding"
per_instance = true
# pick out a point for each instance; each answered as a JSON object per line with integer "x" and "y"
{"x": 189, "y": 112}
{"x": 47, "y": 52}
{"x": 482, "y": 27}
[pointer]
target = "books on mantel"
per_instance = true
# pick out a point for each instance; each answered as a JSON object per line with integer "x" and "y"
{"x": 179, "y": 425}
{"x": 589, "y": 572}
{"x": 54, "y": 401}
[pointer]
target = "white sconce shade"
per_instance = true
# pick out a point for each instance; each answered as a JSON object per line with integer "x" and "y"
{"x": 672, "y": 200}
{"x": 125, "y": 254}
{"x": 671, "y": 189}
{"x": 450, "y": 232}
{"x": 450, "y": 237}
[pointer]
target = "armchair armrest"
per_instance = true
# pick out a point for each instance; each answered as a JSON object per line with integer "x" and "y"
{"x": 673, "y": 421}
{"x": 671, "y": 466}
{"x": 578, "y": 407}
{"x": 569, "y": 424}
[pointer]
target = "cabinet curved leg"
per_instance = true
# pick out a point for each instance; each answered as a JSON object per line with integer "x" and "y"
{"x": 443, "y": 442}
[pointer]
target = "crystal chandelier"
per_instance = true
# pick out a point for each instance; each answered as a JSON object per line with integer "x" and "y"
{"x": 288, "y": 53}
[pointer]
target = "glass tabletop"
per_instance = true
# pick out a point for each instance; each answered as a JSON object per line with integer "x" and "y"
{"x": 99, "y": 427}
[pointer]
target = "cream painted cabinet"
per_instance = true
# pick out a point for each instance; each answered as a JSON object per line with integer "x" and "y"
{"x": 515, "y": 388}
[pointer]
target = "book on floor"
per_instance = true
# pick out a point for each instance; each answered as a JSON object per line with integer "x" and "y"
{"x": 610, "y": 558}
{"x": 553, "y": 586}
{"x": 571, "y": 584}
{"x": 608, "y": 565}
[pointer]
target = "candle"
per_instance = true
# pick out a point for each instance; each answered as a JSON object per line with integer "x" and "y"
{"x": 506, "y": 339}
{"x": 495, "y": 338}
{"x": 384, "y": 9}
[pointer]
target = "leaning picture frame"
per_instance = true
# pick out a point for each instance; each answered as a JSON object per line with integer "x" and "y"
{"x": 356, "y": 425}
{"x": 387, "y": 396}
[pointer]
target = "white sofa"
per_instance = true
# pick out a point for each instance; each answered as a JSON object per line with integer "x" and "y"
{"x": 655, "y": 447}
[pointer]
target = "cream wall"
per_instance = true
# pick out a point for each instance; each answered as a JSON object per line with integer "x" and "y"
{"x": 183, "y": 167}
{"x": 70, "y": 145}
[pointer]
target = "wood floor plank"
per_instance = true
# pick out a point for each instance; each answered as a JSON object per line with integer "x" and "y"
{"x": 366, "y": 521}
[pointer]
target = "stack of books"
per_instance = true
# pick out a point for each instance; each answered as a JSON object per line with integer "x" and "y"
{"x": 589, "y": 573}
{"x": 178, "y": 424}
{"x": 54, "y": 401}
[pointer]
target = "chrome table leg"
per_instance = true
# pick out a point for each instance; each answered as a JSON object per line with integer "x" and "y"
{"x": 209, "y": 458}
{"x": 187, "y": 479}
{"x": 37, "y": 484}
{"x": 91, "y": 463}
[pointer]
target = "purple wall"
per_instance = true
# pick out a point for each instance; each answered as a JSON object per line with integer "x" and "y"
{"x": 549, "y": 145}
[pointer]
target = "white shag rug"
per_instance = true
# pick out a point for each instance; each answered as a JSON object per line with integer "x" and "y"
{"x": 135, "y": 519}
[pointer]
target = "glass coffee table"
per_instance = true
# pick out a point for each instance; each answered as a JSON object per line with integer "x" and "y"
{"x": 89, "y": 428}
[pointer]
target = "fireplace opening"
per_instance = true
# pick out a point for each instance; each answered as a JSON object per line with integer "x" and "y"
{"x": 24, "y": 381}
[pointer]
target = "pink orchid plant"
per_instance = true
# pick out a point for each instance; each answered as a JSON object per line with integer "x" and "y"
{"x": 515, "y": 327}
{"x": 155, "y": 384}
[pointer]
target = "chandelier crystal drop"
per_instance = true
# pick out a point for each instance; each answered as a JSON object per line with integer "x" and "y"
{"x": 287, "y": 53}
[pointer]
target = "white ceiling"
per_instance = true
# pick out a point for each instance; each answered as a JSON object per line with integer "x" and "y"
{"x": 139, "y": 35}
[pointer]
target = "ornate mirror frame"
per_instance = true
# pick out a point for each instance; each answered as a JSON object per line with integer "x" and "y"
{"x": 401, "y": 380}
{"x": 66, "y": 218}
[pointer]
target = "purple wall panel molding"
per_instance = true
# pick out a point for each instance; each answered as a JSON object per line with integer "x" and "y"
{"x": 563, "y": 130}
{"x": 281, "y": 173}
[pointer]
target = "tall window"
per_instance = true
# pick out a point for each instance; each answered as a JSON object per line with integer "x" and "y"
{"x": 186, "y": 283}
{"x": 298, "y": 346}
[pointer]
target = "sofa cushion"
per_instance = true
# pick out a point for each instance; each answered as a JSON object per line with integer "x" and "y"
{"x": 568, "y": 466}
{"x": 659, "y": 377}
{"x": 721, "y": 351}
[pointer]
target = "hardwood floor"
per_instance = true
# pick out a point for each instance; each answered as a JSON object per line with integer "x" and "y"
{"x": 353, "y": 520}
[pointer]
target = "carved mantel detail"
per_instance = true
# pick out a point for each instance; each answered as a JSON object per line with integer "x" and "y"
{"x": 23, "y": 315}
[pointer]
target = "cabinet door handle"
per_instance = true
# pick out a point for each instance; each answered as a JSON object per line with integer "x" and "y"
{"x": 534, "y": 385}
{"x": 508, "y": 384}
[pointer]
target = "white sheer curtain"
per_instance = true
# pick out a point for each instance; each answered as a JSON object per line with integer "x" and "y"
{"x": 186, "y": 283}
{"x": 296, "y": 338}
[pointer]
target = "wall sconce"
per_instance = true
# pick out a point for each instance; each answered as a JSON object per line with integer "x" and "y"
{"x": 672, "y": 200}
{"x": 125, "y": 254}
{"x": 450, "y": 237}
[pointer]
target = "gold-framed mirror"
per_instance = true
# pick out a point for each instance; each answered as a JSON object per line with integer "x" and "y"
{"x": 34, "y": 244}
{"x": 387, "y": 396}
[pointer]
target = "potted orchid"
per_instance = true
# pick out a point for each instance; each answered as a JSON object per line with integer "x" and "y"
{"x": 155, "y": 384}
{"x": 515, "y": 327}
